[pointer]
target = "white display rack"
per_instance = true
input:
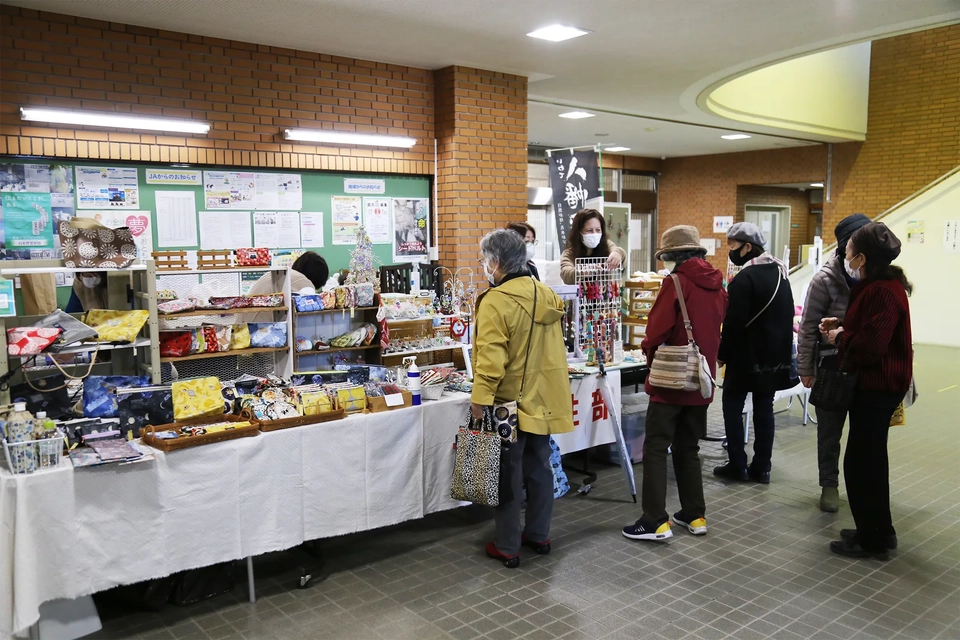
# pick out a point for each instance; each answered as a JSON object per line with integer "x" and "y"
{"x": 599, "y": 309}
{"x": 213, "y": 272}
{"x": 20, "y": 271}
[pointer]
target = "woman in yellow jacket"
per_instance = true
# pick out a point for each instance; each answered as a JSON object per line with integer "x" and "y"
{"x": 518, "y": 319}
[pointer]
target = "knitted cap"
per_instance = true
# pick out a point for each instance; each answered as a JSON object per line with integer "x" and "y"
{"x": 845, "y": 229}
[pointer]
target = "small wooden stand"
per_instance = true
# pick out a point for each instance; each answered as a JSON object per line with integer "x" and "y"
{"x": 171, "y": 260}
{"x": 214, "y": 259}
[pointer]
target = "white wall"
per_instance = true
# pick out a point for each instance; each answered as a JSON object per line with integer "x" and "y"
{"x": 935, "y": 304}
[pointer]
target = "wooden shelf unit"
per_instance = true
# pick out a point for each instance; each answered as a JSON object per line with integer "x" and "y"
{"x": 221, "y": 312}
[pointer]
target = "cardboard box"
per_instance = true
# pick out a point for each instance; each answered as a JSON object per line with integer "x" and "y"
{"x": 377, "y": 404}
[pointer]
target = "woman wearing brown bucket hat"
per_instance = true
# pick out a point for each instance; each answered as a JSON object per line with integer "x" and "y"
{"x": 678, "y": 419}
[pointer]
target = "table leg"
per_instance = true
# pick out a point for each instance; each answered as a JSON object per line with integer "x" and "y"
{"x": 250, "y": 588}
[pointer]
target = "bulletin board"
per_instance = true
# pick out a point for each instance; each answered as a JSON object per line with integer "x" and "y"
{"x": 128, "y": 198}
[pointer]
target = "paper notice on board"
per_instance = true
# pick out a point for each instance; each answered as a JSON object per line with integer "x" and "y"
{"x": 265, "y": 232}
{"x": 229, "y": 190}
{"x": 311, "y": 229}
{"x": 376, "y": 219}
{"x": 266, "y": 190}
{"x": 137, "y": 221}
{"x": 345, "y": 216}
{"x": 107, "y": 187}
{"x": 278, "y": 190}
{"x": 176, "y": 219}
{"x": 951, "y": 237}
{"x": 224, "y": 229}
{"x": 915, "y": 231}
{"x": 288, "y": 229}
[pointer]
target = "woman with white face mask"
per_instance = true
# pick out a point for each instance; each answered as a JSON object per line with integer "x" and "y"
{"x": 89, "y": 292}
{"x": 588, "y": 239}
{"x": 529, "y": 235}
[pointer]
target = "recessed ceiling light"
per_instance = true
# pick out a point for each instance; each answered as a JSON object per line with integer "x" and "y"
{"x": 816, "y": 184}
{"x": 557, "y": 33}
{"x": 615, "y": 149}
{"x": 576, "y": 115}
{"x": 735, "y": 136}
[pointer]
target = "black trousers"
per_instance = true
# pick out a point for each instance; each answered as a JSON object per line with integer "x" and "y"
{"x": 679, "y": 427}
{"x": 866, "y": 469}
{"x": 763, "y": 429}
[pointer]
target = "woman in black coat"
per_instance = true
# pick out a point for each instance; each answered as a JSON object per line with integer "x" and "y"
{"x": 757, "y": 349}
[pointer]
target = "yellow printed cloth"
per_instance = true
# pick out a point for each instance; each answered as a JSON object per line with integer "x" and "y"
{"x": 197, "y": 398}
{"x": 117, "y": 326}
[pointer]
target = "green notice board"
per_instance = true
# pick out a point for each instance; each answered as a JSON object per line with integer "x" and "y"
{"x": 317, "y": 188}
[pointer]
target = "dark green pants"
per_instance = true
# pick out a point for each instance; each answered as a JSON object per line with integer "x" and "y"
{"x": 679, "y": 427}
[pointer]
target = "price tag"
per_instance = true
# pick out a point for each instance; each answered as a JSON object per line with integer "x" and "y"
{"x": 394, "y": 400}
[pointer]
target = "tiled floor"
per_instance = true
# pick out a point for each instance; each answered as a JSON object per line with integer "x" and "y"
{"x": 763, "y": 571}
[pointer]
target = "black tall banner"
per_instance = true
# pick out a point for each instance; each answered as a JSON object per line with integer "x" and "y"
{"x": 574, "y": 179}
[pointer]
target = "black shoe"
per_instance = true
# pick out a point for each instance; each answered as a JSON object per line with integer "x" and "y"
{"x": 542, "y": 548}
{"x": 850, "y": 535}
{"x": 730, "y": 472}
{"x": 763, "y": 477}
{"x": 644, "y": 529}
{"x": 854, "y": 550}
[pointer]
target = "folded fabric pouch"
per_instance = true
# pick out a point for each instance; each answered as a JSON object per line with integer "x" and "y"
{"x": 30, "y": 341}
{"x": 139, "y": 407}
{"x": 176, "y": 306}
{"x": 268, "y": 334}
{"x": 240, "y": 336}
{"x": 197, "y": 398}
{"x": 99, "y": 394}
{"x": 271, "y": 300}
{"x": 174, "y": 344}
{"x": 117, "y": 326}
{"x": 308, "y": 303}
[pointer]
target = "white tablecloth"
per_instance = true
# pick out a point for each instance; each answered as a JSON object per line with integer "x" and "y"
{"x": 593, "y": 424}
{"x": 66, "y": 533}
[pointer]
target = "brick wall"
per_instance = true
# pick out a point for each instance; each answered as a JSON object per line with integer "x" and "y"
{"x": 694, "y": 189}
{"x": 913, "y": 123}
{"x": 482, "y": 166}
{"x": 247, "y": 92}
{"x": 799, "y": 204}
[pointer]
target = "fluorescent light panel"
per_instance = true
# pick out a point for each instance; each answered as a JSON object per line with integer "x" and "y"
{"x": 816, "y": 184}
{"x": 557, "y": 33}
{"x": 615, "y": 149}
{"x": 112, "y": 120}
{"x": 342, "y": 137}
{"x": 576, "y": 115}
{"x": 735, "y": 136}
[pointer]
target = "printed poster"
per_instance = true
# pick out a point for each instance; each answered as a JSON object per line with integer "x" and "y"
{"x": 345, "y": 218}
{"x": 278, "y": 190}
{"x": 27, "y": 221}
{"x": 138, "y": 222}
{"x": 107, "y": 187}
{"x": 376, "y": 219}
{"x": 410, "y": 228}
{"x": 229, "y": 189}
{"x": 55, "y": 180}
{"x": 915, "y": 231}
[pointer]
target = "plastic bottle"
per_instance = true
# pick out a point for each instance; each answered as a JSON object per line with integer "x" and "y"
{"x": 413, "y": 380}
{"x": 20, "y": 429}
{"x": 415, "y": 280}
{"x": 51, "y": 447}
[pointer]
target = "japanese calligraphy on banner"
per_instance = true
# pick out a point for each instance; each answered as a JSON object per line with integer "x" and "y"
{"x": 592, "y": 424}
{"x": 574, "y": 179}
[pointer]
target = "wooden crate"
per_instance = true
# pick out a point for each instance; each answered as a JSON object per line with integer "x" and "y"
{"x": 171, "y": 260}
{"x": 379, "y": 404}
{"x": 215, "y": 259}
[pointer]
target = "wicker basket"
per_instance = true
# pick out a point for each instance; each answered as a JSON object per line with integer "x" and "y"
{"x": 299, "y": 421}
{"x": 431, "y": 391}
{"x": 147, "y": 433}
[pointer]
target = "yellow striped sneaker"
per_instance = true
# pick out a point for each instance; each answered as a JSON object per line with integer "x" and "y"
{"x": 696, "y": 526}
{"x": 644, "y": 529}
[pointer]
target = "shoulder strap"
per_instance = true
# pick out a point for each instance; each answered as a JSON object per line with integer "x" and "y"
{"x": 770, "y": 301}
{"x": 533, "y": 321}
{"x": 683, "y": 307}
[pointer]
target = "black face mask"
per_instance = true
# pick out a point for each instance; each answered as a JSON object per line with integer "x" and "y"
{"x": 738, "y": 259}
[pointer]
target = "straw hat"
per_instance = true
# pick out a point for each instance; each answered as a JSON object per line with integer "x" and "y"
{"x": 680, "y": 238}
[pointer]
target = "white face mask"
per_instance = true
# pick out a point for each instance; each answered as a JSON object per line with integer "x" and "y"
{"x": 531, "y": 251}
{"x": 90, "y": 281}
{"x": 853, "y": 273}
{"x": 592, "y": 240}
{"x": 669, "y": 266}
{"x": 487, "y": 272}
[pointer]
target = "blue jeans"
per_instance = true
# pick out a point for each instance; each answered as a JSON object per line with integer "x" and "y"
{"x": 733, "y": 402}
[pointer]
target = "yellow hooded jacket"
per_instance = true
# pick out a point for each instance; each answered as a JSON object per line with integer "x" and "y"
{"x": 500, "y": 348}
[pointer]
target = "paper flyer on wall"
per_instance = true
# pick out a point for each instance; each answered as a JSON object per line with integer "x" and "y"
{"x": 176, "y": 219}
{"x": 247, "y": 280}
{"x": 55, "y": 181}
{"x": 137, "y": 221}
{"x": 107, "y": 187}
{"x": 345, "y": 212}
{"x": 225, "y": 230}
{"x": 951, "y": 236}
{"x": 376, "y": 219}
{"x": 915, "y": 231}
{"x": 278, "y": 190}
{"x": 27, "y": 221}
{"x": 411, "y": 218}
{"x": 229, "y": 190}
{"x": 311, "y": 229}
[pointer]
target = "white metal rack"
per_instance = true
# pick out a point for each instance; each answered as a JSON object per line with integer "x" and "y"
{"x": 599, "y": 308}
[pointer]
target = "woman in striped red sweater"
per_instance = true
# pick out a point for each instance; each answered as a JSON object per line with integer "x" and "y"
{"x": 875, "y": 341}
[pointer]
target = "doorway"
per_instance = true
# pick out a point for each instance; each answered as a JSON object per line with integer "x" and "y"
{"x": 774, "y": 222}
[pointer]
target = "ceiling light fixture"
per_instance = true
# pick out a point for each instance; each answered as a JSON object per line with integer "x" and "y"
{"x": 557, "y": 33}
{"x": 615, "y": 149}
{"x": 342, "y": 137}
{"x": 735, "y": 136}
{"x": 112, "y": 120}
{"x": 576, "y": 115}
{"x": 816, "y": 184}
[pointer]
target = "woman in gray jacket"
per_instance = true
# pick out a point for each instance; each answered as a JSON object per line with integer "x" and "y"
{"x": 827, "y": 297}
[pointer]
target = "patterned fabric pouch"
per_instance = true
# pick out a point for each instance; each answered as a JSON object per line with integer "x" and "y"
{"x": 99, "y": 394}
{"x": 197, "y": 398}
{"x": 240, "y": 336}
{"x": 139, "y": 407}
{"x": 87, "y": 243}
{"x": 176, "y": 306}
{"x": 268, "y": 334}
{"x": 30, "y": 341}
{"x": 174, "y": 344}
{"x": 117, "y": 326}
{"x": 308, "y": 303}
